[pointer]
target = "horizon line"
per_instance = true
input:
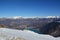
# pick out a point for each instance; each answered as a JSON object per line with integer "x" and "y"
{"x": 31, "y": 17}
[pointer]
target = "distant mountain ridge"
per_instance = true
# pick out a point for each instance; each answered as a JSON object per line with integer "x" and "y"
{"x": 29, "y": 22}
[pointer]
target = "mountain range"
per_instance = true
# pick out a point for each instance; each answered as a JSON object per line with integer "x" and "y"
{"x": 32, "y": 24}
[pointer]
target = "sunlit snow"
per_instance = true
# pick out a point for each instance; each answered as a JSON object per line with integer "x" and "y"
{"x": 12, "y": 34}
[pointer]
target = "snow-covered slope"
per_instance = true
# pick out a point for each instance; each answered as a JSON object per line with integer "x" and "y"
{"x": 12, "y": 34}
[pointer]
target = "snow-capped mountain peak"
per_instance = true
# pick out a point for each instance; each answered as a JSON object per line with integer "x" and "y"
{"x": 52, "y": 17}
{"x": 16, "y": 17}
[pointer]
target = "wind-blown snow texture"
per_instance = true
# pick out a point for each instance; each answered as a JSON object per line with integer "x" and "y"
{"x": 9, "y": 34}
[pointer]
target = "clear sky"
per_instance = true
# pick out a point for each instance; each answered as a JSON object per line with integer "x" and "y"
{"x": 27, "y": 8}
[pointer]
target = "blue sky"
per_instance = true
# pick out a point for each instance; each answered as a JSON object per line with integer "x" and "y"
{"x": 27, "y": 8}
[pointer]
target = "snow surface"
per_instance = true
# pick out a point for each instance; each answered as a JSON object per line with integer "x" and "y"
{"x": 12, "y": 34}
